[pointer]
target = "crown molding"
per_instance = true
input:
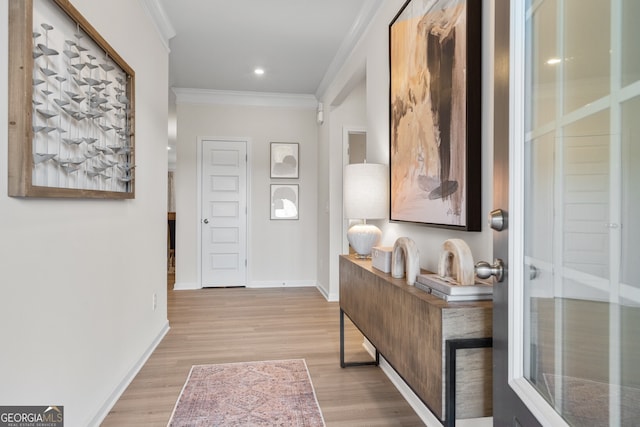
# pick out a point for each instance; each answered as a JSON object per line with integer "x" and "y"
{"x": 163, "y": 25}
{"x": 256, "y": 99}
{"x": 364, "y": 18}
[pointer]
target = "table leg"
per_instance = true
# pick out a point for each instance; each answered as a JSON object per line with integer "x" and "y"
{"x": 344, "y": 364}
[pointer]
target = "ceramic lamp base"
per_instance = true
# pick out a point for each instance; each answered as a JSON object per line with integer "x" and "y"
{"x": 362, "y": 238}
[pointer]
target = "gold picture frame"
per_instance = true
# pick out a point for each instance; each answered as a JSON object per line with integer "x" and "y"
{"x": 71, "y": 107}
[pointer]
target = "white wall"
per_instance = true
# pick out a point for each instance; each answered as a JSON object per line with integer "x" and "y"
{"x": 350, "y": 113}
{"x": 281, "y": 251}
{"x": 372, "y": 50}
{"x": 78, "y": 276}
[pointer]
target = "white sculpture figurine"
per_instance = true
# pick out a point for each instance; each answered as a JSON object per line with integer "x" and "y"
{"x": 405, "y": 257}
{"x": 456, "y": 262}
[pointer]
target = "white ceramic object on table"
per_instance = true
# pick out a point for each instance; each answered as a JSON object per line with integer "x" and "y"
{"x": 405, "y": 259}
{"x": 456, "y": 262}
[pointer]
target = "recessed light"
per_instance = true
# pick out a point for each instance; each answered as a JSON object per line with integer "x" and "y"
{"x": 554, "y": 61}
{"x": 258, "y": 71}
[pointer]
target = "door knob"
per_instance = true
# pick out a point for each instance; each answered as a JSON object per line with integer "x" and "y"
{"x": 206, "y": 221}
{"x": 484, "y": 270}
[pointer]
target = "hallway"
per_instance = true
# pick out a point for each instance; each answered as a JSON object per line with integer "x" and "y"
{"x": 236, "y": 324}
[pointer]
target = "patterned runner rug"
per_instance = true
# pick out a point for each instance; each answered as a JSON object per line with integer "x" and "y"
{"x": 270, "y": 393}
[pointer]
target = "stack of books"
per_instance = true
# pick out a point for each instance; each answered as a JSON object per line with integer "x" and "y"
{"x": 447, "y": 289}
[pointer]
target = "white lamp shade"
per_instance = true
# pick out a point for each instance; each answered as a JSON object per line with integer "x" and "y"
{"x": 366, "y": 191}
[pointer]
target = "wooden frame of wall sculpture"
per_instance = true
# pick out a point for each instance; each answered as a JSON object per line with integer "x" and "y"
{"x": 71, "y": 106}
{"x": 435, "y": 114}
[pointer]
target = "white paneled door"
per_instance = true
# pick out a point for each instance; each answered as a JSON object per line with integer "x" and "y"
{"x": 223, "y": 213}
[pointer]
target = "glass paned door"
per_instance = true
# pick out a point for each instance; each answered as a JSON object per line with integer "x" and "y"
{"x": 578, "y": 148}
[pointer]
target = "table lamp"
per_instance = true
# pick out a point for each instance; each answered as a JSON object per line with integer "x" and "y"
{"x": 365, "y": 196}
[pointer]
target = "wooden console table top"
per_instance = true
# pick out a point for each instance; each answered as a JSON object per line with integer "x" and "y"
{"x": 413, "y": 290}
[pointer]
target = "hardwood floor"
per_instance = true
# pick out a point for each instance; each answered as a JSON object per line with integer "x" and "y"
{"x": 236, "y": 324}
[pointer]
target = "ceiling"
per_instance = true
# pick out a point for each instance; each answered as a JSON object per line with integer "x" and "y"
{"x": 217, "y": 44}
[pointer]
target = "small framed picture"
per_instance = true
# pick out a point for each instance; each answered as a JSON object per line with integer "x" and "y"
{"x": 284, "y": 201}
{"x": 284, "y": 160}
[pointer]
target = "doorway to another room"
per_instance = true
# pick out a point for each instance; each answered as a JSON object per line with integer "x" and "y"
{"x": 354, "y": 141}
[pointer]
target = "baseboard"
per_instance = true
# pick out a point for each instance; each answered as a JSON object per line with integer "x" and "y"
{"x": 188, "y": 286}
{"x": 256, "y": 285}
{"x": 282, "y": 284}
{"x": 330, "y": 297}
{"x": 414, "y": 401}
{"x": 325, "y": 294}
{"x": 115, "y": 395}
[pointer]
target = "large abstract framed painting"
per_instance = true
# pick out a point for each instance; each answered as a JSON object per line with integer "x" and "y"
{"x": 71, "y": 106}
{"x": 435, "y": 131}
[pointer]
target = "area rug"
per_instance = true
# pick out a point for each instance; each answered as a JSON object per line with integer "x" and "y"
{"x": 268, "y": 393}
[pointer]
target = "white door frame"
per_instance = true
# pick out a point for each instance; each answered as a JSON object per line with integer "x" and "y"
{"x": 199, "y": 142}
{"x": 346, "y": 131}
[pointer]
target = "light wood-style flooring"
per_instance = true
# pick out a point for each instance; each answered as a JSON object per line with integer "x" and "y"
{"x": 236, "y": 324}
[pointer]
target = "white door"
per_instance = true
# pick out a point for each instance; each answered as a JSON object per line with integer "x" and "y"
{"x": 224, "y": 213}
{"x": 567, "y": 141}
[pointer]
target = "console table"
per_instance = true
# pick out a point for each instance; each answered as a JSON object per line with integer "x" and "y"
{"x": 412, "y": 329}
